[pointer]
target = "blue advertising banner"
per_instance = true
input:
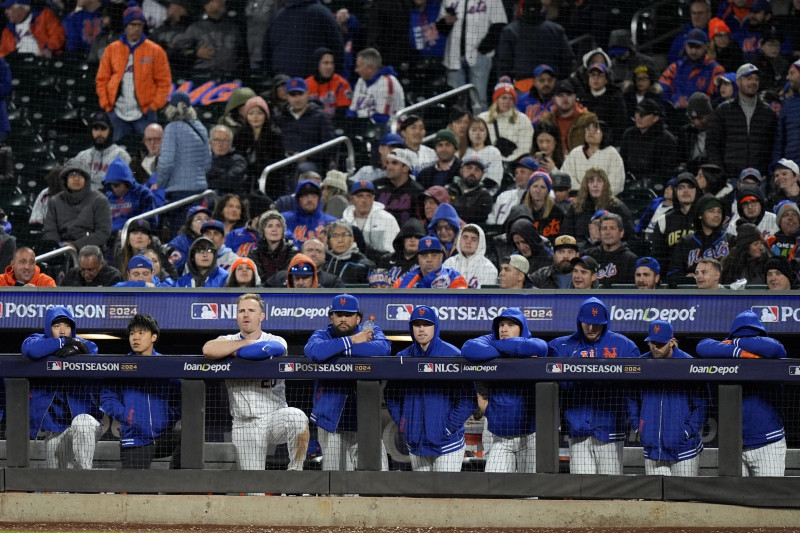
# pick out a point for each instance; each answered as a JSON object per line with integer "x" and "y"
{"x": 548, "y": 312}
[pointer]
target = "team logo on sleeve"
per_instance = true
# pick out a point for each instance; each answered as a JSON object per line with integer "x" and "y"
{"x": 207, "y": 311}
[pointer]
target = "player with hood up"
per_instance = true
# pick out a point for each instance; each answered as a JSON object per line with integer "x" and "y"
{"x": 510, "y": 406}
{"x": 66, "y": 414}
{"x": 595, "y": 413}
{"x": 431, "y": 414}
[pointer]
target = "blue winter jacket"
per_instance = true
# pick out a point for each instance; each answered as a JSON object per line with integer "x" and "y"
{"x": 511, "y": 410}
{"x": 669, "y": 417}
{"x": 594, "y": 408}
{"x": 136, "y": 201}
{"x": 787, "y": 136}
{"x": 185, "y": 158}
{"x": 762, "y": 424}
{"x": 445, "y": 212}
{"x": 334, "y": 401}
{"x": 5, "y": 91}
{"x": 430, "y": 414}
{"x": 301, "y": 226}
{"x": 144, "y": 408}
{"x": 55, "y": 403}
{"x": 242, "y": 240}
{"x": 217, "y": 277}
{"x": 179, "y": 253}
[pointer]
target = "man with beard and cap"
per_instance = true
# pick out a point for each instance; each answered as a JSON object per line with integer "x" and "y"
{"x": 570, "y": 116}
{"x": 429, "y": 272}
{"x": 559, "y": 274}
{"x": 344, "y": 259}
{"x": 201, "y": 268}
{"x": 672, "y": 226}
{"x": 471, "y": 199}
{"x": 378, "y": 226}
{"x": 510, "y": 407}
{"x": 779, "y": 274}
{"x": 763, "y": 440}
{"x": 617, "y": 262}
{"x": 584, "y": 273}
{"x": 751, "y": 207}
{"x": 78, "y": 215}
{"x": 328, "y": 88}
{"x": 648, "y": 149}
{"x": 540, "y": 97}
{"x": 430, "y": 415}
{"x": 647, "y": 274}
{"x": 523, "y": 171}
{"x": 693, "y": 72}
{"x": 334, "y": 410}
{"x": 786, "y": 181}
{"x": 397, "y": 191}
{"x": 103, "y": 152}
{"x": 596, "y": 418}
{"x": 786, "y": 241}
{"x": 513, "y": 273}
{"x": 447, "y": 165}
{"x": 405, "y": 247}
{"x": 313, "y": 253}
{"x": 471, "y": 259}
{"x": 307, "y": 220}
{"x": 709, "y": 239}
{"x": 669, "y": 417}
{"x": 67, "y": 417}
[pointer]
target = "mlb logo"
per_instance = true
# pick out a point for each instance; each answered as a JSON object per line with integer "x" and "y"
{"x": 285, "y": 367}
{"x": 1, "y": 309}
{"x": 554, "y": 368}
{"x": 794, "y": 370}
{"x": 766, "y": 313}
{"x": 425, "y": 367}
{"x": 399, "y": 311}
{"x": 205, "y": 311}
{"x": 55, "y": 365}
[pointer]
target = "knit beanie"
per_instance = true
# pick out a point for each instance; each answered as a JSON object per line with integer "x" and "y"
{"x": 266, "y": 217}
{"x": 134, "y": 12}
{"x": 717, "y": 25}
{"x": 784, "y": 207}
{"x": 540, "y": 174}
{"x": 747, "y": 233}
{"x": 504, "y": 86}
{"x": 258, "y": 102}
{"x": 781, "y": 264}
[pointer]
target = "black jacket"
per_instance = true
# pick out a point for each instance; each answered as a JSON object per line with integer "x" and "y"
{"x": 528, "y": 42}
{"x": 687, "y": 139}
{"x": 228, "y": 174}
{"x": 107, "y": 277}
{"x": 610, "y": 108}
{"x": 473, "y": 206}
{"x": 615, "y": 267}
{"x": 694, "y": 247}
{"x": 652, "y": 154}
{"x": 577, "y": 224}
{"x": 676, "y": 226}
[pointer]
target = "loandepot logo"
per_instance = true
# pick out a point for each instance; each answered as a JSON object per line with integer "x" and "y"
{"x": 713, "y": 369}
{"x": 206, "y": 367}
{"x": 649, "y": 314}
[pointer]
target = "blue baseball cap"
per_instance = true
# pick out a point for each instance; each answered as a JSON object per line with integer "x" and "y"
{"x": 429, "y": 244}
{"x": 541, "y": 69}
{"x": 9, "y": 3}
{"x": 696, "y": 36}
{"x": 750, "y": 171}
{"x": 392, "y": 139}
{"x": 197, "y": 209}
{"x": 347, "y": 303}
{"x": 598, "y": 66}
{"x": 659, "y": 331}
{"x": 592, "y": 313}
{"x": 423, "y": 312}
{"x": 213, "y": 224}
{"x": 180, "y": 97}
{"x": 529, "y": 163}
{"x": 139, "y": 261}
{"x": 302, "y": 269}
{"x": 362, "y": 185}
{"x": 473, "y": 160}
{"x": 296, "y": 85}
{"x": 649, "y": 262}
{"x": 598, "y": 214}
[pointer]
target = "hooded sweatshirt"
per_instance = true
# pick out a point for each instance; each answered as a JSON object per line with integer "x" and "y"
{"x": 302, "y": 226}
{"x": 476, "y": 269}
{"x": 766, "y": 222}
{"x": 594, "y": 409}
{"x": 448, "y": 213}
{"x": 378, "y": 98}
{"x": 55, "y": 403}
{"x": 511, "y": 410}
{"x": 351, "y": 266}
{"x": 214, "y": 277}
{"x": 762, "y": 424}
{"x": 540, "y": 256}
{"x": 430, "y": 414}
{"x": 296, "y": 260}
{"x": 136, "y": 201}
{"x": 379, "y": 227}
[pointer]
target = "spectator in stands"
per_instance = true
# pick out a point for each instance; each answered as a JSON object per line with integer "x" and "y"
{"x": 378, "y": 94}
{"x": 274, "y": 250}
{"x": 787, "y": 145}
{"x": 213, "y": 43}
{"x": 78, "y": 215}
{"x": 133, "y": 97}
{"x": 260, "y": 414}
{"x": 405, "y": 247}
{"x": 523, "y": 171}
{"x": 459, "y": 118}
{"x": 479, "y": 144}
{"x": 140, "y": 238}
{"x": 397, "y": 191}
{"x": 471, "y": 199}
{"x": 23, "y": 271}
{"x": 167, "y": 34}
{"x": 722, "y": 48}
{"x": 670, "y": 448}
{"x": 234, "y": 116}
{"x": 584, "y": 273}
{"x": 570, "y": 116}
{"x": 163, "y": 272}
{"x": 377, "y": 225}
{"x": 82, "y": 26}
{"x": 447, "y": 165}
{"x": 243, "y": 273}
{"x": 92, "y": 270}
{"x": 511, "y": 410}
{"x": 700, "y": 13}
{"x": 562, "y": 184}
{"x": 751, "y": 207}
{"x": 227, "y": 174}
{"x": 779, "y": 275}
{"x": 786, "y": 178}
{"x": 729, "y": 194}
{"x": 8, "y": 243}
{"x": 539, "y": 99}
{"x": 763, "y": 437}
{"x": 558, "y": 275}
{"x": 373, "y": 173}
{"x": 547, "y": 148}
{"x": 304, "y": 171}
{"x": 748, "y": 256}
{"x": 546, "y": 216}
{"x": 510, "y": 130}
{"x": 103, "y": 152}
{"x": 301, "y": 274}
{"x": 786, "y": 241}
{"x": 334, "y": 193}
{"x": 328, "y": 88}
{"x": 708, "y": 274}
{"x": 139, "y": 273}
{"x": 37, "y": 32}
{"x": 580, "y": 76}
{"x": 525, "y": 238}
{"x": 617, "y": 262}
{"x": 185, "y": 156}
{"x": 694, "y": 72}
{"x": 742, "y": 131}
{"x": 648, "y": 149}
{"x": 232, "y": 212}
{"x": 594, "y": 412}
{"x": 429, "y": 272}
{"x": 594, "y": 194}
{"x": 692, "y": 138}
{"x": 726, "y": 89}
{"x": 643, "y": 86}
{"x": 445, "y": 225}
{"x": 674, "y": 224}
{"x": 470, "y": 260}
{"x": 243, "y": 238}
{"x": 145, "y": 162}
{"x": 313, "y": 250}
{"x": 647, "y": 274}
{"x": 214, "y": 230}
{"x": 111, "y": 30}
{"x": 258, "y": 141}
{"x": 126, "y": 196}
{"x": 69, "y": 417}
{"x": 625, "y": 59}
{"x": 604, "y": 99}
{"x": 429, "y": 201}
{"x": 344, "y": 259}
{"x": 201, "y": 268}
{"x": 596, "y": 152}
{"x": 307, "y": 220}
{"x": 513, "y": 273}
{"x": 412, "y": 129}
{"x": 189, "y": 232}
{"x": 709, "y": 239}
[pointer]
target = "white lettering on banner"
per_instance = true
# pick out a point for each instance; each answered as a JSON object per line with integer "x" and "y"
{"x": 478, "y": 368}
{"x": 438, "y": 367}
{"x": 85, "y": 367}
{"x": 206, "y": 367}
{"x": 558, "y": 368}
{"x": 315, "y": 367}
{"x": 299, "y": 312}
{"x": 227, "y": 311}
{"x": 649, "y": 314}
{"x": 713, "y": 369}
{"x": 790, "y": 313}
{"x": 12, "y": 309}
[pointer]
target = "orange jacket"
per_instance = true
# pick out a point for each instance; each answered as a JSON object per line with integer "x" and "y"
{"x": 335, "y": 93}
{"x": 39, "y": 280}
{"x": 45, "y": 27}
{"x": 151, "y": 75}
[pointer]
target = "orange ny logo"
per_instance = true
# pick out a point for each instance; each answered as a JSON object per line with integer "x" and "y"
{"x": 610, "y": 353}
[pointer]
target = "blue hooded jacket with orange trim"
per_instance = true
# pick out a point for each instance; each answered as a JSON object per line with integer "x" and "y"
{"x": 137, "y": 200}
{"x": 300, "y": 226}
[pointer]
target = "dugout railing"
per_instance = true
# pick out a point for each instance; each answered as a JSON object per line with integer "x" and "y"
{"x": 544, "y": 373}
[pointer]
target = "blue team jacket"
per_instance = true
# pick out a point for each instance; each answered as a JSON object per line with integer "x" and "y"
{"x": 762, "y": 424}
{"x": 511, "y": 410}
{"x": 334, "y": 401}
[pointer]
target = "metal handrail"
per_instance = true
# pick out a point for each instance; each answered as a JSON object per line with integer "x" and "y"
{"x": 163, "y": 209}
{"x": 635, "y": 26}
{"x": 350, "y": 162}
{"x": 476, "y": 103}
{"x": 69, "y": 251}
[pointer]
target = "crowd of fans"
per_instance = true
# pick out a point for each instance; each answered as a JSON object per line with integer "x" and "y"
{"x": 629, "y": 170}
